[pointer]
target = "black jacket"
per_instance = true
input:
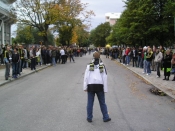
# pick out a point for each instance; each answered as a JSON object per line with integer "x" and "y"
{"x": 15, "y": 58}
{"x": 167, "y": 61}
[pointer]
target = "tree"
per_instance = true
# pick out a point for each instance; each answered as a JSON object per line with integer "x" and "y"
{"x": 24, "y": 34}
{"x": 145, "y": 22}
{"x": 30, "y": 35}
{"x": 75, "y": 14}
{"x": 38, "y": 13}
{"x": 99, "y": 34}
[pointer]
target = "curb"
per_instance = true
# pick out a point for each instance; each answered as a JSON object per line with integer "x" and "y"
{"x": 169, "y": 93}
{"x": 32, "y": 72}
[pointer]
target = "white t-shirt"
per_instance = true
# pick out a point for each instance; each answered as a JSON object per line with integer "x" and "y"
{"x": 62, "y": 52}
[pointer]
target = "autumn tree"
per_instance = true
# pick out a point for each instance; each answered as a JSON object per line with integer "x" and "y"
{"x": 39, "y": 14}
{"x": 30, "y": 35}
{"x": 24, "y": 34}
{"x": 75, "y": 14}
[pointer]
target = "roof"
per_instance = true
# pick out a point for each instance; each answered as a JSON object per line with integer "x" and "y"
{"x": 113, "y": 15}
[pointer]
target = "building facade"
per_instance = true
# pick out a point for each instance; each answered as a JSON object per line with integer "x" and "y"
{"x": 112, "y": 18}
{"x": 5, "y": 22}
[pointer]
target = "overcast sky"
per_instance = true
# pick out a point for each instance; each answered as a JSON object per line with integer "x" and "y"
{"x": 100, "y": 7}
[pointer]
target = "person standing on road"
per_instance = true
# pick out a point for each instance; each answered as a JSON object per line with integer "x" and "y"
{"x": 149, "y": 56}
{"x": 15, "y": 60}
{"x": 95, "y": 82}
{"x": 173, "y": 65}
{"x": 144, "y": 60}
{"x": 21, "y": 61}
{"x": 32, "y": 57}
{"x": 53, "y": 55}
{"x": 7, "y": 59}
{"x": 167, "y": 65}
{"x": 134, "y": 54}
{"x": 1, "y": 54}
{"x": 139, "y": 57}
{"x": 127, "y": 54}
{"x": 123, "y": 55}
{"x": 71, "y": 55}
{"x": 62, "y": 52}
{"x": 157, "y": 60}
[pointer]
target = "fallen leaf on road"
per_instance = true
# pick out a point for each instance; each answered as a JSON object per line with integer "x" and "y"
{"x": 173, "y": 92}
{"x": 173, "y": 100}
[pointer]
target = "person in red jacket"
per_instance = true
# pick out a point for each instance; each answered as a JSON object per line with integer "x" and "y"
{"x": 127, "y": 53}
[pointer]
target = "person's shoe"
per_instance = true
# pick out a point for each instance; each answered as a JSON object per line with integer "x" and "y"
{"x": 164, "y": 79}
{"x": 158, "y": 76}
{"x": 143, "y": 72}
{"x": 109, "y": 119}
{"x": 89, "y": 120}
{"x": 167, "y": 79}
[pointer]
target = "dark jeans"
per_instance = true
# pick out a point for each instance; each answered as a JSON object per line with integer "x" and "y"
{"x": 21, "y": 64}
{"x": 71, "y": 57}
{"x": 158, "y": 68}
{"x": 24, "y": 63}
{"x": 139, "y": 61}
{"x": 7, "y": 70}
{"x": 15, "y": 68}
{"x": 149, "y": 67}
{"x": 33, "y": 63}
{"x": 90, "y": 103}
{"x": 123, "y": 59}
{"x": 166, "y": 73}
{"x": 63, "y": 59}
{"x": 134, "y": 60}
{"x": 2, "y": 58}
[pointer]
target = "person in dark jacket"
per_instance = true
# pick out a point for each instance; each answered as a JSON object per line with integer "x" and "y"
{"x": 139, "y": 57}
{"x": 15, "y": 60}
{"x": 167, "y": 64}
{"x": 44, "y": 55}
{"x": 149, "y": 56}
{"x": 7, "y": 62}
{"x": 53, "y": 55}
{"x": 173, "y": 65}
{"x": 95, "y": 82}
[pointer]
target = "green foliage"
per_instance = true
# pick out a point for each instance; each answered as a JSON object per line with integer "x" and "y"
{"x": 63, "y": 14}
{"x": 99, "y": 34}
{"x": 145, "y": 22}
{"x": 24, "y": 34}
{"x": 30, "y": 35}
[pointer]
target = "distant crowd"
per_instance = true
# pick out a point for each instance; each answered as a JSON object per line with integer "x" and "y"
{"x": 150, "y": 59}
{"x": 21, "y": 57}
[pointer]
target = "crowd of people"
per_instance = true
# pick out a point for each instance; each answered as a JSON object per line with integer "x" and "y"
{"x": 147, "y": 58}
{"x": 21, "y": 57}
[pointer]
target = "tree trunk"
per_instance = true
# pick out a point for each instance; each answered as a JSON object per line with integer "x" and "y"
{"x": 45, "y": 40}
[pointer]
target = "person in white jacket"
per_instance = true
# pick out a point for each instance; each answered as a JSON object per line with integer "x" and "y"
{"x": 157, "y": 60}
{"x": 95, "y": 82}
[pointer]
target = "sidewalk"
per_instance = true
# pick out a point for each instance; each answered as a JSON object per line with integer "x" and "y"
{"x": 166, "y": 86}
{"x": 24, "y": 73}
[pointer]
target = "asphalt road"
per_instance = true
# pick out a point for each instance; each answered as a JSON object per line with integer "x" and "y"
{"x": 53, "y": 100}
